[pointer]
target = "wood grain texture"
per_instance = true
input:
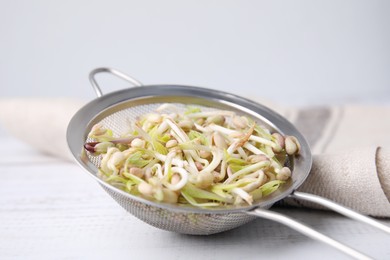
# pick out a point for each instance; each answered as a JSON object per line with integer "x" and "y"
{"x": 51, "y": 209}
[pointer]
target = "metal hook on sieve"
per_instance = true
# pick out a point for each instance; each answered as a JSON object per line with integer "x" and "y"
{"x": 115, "y": 72}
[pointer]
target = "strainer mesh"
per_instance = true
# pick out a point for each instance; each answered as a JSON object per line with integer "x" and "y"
{"x": 182, "y": 222}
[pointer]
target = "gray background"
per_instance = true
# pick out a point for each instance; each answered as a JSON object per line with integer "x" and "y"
{"x": 294, "y": 52}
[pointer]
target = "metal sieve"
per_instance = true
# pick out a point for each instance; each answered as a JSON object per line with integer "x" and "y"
{"x": 115, "y": 110}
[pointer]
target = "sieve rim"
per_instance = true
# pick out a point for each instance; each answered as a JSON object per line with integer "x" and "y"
{"x": 76, "y": 136}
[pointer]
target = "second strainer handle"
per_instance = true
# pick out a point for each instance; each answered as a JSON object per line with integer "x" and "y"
{"x": 340, "y": 209}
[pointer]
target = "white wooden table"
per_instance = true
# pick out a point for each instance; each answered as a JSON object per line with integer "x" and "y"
{"x": 51, "y": 209}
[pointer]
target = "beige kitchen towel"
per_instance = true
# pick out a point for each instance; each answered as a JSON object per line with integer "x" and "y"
{"x": 357, "y": 178}
{"x": 40, "y": 122}
{"x": 350, "y": 144}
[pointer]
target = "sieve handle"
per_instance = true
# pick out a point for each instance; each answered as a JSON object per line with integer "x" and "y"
{"x": 308, "y": 231}
{"x": 115, "y": 72}
{"x": 340, "y": 209}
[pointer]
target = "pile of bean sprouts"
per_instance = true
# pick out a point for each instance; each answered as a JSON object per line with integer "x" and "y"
{"x": 202, "y": 158}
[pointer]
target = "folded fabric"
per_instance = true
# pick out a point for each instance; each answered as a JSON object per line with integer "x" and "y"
{"x": 358, "y": 179}
{"x": 350, "y": 143}
{"x": 40, "y": 122}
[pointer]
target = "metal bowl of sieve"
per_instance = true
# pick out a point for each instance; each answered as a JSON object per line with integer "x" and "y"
{"x": 115, "y": 110}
